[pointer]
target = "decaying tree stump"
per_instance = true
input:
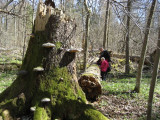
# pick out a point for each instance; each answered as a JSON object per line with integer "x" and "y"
{"x": 47, "y": 86}
{"x": 90, "y": 82}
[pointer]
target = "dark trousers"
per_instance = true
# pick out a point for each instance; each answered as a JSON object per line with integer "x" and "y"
{"x": 103, "y": 75}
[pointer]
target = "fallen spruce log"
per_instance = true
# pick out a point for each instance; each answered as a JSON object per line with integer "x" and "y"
{"x": 90, "y": 82}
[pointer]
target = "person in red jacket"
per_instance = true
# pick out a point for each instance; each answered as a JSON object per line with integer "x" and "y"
{"x": 104, "y": 66}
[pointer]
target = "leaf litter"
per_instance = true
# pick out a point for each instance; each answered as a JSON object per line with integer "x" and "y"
{"x": 132, "y": 108}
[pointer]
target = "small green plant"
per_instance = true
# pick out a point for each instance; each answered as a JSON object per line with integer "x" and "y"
{"x": 6, "y": 79}
{"x": 103, "y": 103}
{"x": 123, "y": 88}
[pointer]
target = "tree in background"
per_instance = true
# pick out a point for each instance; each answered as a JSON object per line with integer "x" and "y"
{"x": 127, "y": 66}
{"x": 19, "y": 23}
{"x": 19, "y": 26}
{"x": 144, "y": 47}
{"x": 88, "y": 12}
{"x": 106, "y": 25}
{"x": 154, "y": 78}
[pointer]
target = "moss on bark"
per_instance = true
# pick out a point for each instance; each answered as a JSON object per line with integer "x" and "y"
{"x": 40, "y": 114}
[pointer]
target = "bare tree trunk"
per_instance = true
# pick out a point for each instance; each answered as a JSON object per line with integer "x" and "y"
{"x": 33, "y": 13}
{"x": 154, "y": 78}
{"x": 86, "y": 34}
{"x": 1, "y": 24}
{"x": 108, "y": 29}
{"x": 61, "y": 3}
{"x": 24, "y": 32}
{"x": 15, "y": 35}
{"x": 143, "y": 52}
{"x": 105, "y": 26}
{"x": 127, "y": 66}
{"x": 6, "y": 20}
{"x": 83, "y": 28}
{"x": 6, "y": 23}
{"x": 18, "y": 33}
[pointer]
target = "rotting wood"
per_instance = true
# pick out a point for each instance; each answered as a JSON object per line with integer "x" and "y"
{"x": 90, "y": 82}
{"x": 43, "y": 14}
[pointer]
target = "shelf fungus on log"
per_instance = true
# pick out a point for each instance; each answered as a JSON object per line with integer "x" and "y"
{"x": 74, "y": 50}
{"x": 38, "y": 69}
{"x": 45, "y": 102}
{"x": 90, "y": 82}
{"x": 33, "y": 109}
{"x": 22, "y": 72}
{"x": 48, "y": 45}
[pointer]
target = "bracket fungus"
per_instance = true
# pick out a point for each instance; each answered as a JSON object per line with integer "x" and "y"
{"x": 22, "y": 72}
{"x": 74, "y": 50}
{"x": 48, "y": 45}
{"x": 45, "y": 101}
{"x": 38, "y": 69}
{"x": 32, "y": 109}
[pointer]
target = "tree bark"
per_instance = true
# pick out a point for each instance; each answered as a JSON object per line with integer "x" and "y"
{"x": 6, "y": 20}
{"x": 143, "y": 52}
{"x": 49, "y": 73}
{"x": 108, "y": 28}
{"x": 21, "y": 6}
{"x": 154, "y": 78}
{"x": 127, "y": 66}
{"x": 24, "y": 32}
{"x": 33, "y": 13}
{"x": 105, "y": 26}
{"x": 86, "y": 34}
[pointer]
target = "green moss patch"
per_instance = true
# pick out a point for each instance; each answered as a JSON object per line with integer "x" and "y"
{"x": 40, "y": 114}
{"x": 57, "y": 86}
{"x": 94, "y": 115}
{"x": 58, "y": 45}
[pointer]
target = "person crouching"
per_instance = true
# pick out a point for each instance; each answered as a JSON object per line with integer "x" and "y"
{"x": 104, "y": 66}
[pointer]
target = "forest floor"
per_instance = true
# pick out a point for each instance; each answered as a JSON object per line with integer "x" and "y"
{"x": 118, "y": 102}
